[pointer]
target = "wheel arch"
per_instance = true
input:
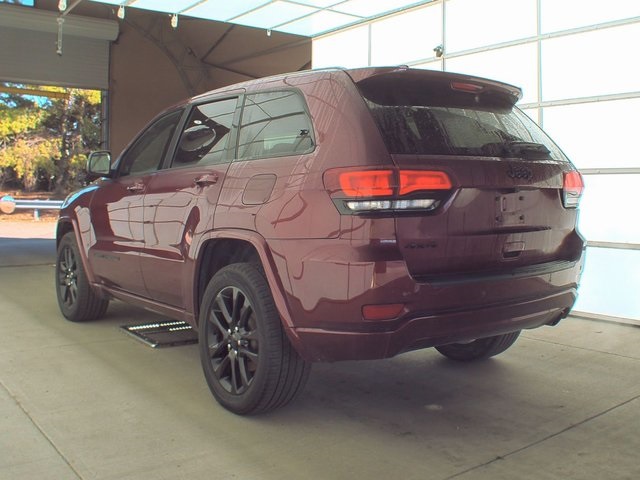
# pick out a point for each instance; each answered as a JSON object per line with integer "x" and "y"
{"x": 222, "y": 248}
{"x": 66, "y": 225}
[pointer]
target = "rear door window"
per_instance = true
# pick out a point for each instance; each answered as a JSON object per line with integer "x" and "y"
{"x": 274, "y": 124}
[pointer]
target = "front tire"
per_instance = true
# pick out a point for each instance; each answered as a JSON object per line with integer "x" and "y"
{"x": 77, "y": 300}
{"x": 478, "y": 349}
{"x": 247, "y": 359}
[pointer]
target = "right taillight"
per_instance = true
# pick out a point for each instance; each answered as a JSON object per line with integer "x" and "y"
{"x": 572, "y": 188}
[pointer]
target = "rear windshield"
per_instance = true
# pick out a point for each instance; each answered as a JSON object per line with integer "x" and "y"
{"x": 454, "y": 123}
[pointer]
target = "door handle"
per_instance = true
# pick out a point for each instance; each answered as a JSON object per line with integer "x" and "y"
{"x": 205, "y": 180}
{"x": 136, "y": 187}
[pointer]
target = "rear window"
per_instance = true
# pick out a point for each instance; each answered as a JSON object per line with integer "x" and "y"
{"x": 274, "y": 124}
{"x": 429, "y": 118}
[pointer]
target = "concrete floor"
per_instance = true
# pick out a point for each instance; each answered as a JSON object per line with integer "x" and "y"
{"x": 86, "y": 401}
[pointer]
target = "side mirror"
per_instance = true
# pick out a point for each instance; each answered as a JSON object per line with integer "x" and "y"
{"x": 99, "y": 164}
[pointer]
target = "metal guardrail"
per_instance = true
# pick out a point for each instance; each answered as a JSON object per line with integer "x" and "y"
{"x": 8, "y": 205}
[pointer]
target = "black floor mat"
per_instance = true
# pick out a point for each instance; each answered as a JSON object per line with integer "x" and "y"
{"x": 163, "y": 334}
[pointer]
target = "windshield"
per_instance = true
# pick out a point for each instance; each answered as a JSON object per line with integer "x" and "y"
{"x": 439, "y": 130}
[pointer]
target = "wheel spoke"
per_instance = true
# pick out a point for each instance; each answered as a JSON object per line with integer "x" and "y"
{"x": 224, "y": 309}
{"x": 245, "y": 315}
{"x": 73, "y": 290}
{"x": 221, "y": 367}
{"x": 215, "y": 321}
{"x": 238, "y": 305}
{"x": 244, "y": 375}
{"x": 234, "y": 375}
{"x": 250, "y": 335}
{"x": 251, "y": 356}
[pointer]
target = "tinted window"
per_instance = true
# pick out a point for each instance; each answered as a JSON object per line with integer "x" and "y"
{"x": 148, "y": 151}
{"x": 424, "y": 116}
{"x": 205, "y": 138}
{"x": 274, "y": 124}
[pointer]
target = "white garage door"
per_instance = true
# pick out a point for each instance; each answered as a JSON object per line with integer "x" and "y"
{"x": 28, "y": 53}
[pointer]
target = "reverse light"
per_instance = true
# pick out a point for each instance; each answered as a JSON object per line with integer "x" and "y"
{"x": 572, "y": 188}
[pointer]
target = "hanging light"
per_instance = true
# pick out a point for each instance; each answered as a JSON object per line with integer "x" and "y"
{"x": 268, "y": 32}
{"x": 121, "y": 12}
{"x": 62, "y": 5}
{"x": 174, "y": 20}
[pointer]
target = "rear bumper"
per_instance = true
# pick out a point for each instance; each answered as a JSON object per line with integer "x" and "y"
{"x": 325, "y": 285}
{"x": 422, "y": 330}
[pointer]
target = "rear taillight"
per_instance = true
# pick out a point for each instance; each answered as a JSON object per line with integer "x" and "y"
{"x": 368, "y": 183}
{"x": 572, "y": 188}
{"x": 367, "y": 191}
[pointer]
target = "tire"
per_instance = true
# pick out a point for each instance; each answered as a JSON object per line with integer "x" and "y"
{"x": 478, "y": 349}
{"x": 247, "y": 359}
{"x": 77, "y": 300}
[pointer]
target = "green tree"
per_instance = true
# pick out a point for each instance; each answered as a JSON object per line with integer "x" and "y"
{"x": 49, "y": 137}
{"x": 76, "y": 121}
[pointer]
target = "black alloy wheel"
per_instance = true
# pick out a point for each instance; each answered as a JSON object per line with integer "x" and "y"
{"x": 247, "y": 359}
{"x": 233, "y": 341}
{"x": 68, "y": 277}
{"x": 77, "y": 300}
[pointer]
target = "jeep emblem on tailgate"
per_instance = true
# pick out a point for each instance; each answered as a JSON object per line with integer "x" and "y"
{"x": 519, "y": 172}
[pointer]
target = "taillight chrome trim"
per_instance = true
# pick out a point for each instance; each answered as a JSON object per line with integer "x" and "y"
{"x": 572, "y": 188}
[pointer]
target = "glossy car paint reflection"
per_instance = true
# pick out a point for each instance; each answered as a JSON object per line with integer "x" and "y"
{"x": 499, "y": 254}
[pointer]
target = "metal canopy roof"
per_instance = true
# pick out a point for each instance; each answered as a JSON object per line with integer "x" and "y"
{"x": 300, "y": 17}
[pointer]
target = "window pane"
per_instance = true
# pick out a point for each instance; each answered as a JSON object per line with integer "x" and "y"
{"x": 589, "y": 64}
{"x": 565, "y": 14}
{"x": 475, "y": 23}
{"x": 149, "y": 150}
{"x": 347, "y": 49}
{"x": 534, "y": 114}
{"x": 206, "y": 134}
{"x": 610, "y": 283}
{"x": 514, "y": 65}
{"x": 605, "y": 209}
{"x": 406, "y": 38}
{"x": 274, "y": 124}
{"x": 596, "y": 135}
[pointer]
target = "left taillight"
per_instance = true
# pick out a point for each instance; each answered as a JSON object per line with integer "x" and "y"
{"x": 572, "y": 188}
{"x": 377, "y": 191}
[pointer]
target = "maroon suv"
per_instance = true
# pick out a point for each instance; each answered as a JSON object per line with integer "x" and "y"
{"x": 330, "y": 215}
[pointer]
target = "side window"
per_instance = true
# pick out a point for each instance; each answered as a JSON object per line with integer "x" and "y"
{"x": 147, "y": 152}
{"x": 274, "y": 124}
{"x": 205, "y": 137}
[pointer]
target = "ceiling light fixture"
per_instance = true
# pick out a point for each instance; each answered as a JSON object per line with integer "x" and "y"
{"x": 174, "y": 20}
{"x": 62, "y": 5}
{"x": 121, "y": 12}
{"x": 268, "y": 32}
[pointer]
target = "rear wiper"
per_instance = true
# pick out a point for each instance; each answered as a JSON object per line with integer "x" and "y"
{"x": 516, "y": 148}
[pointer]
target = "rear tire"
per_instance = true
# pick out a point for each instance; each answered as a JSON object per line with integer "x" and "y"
{"x": 478, "y": 349}
{"x": 247, "y": 359}
{"x": 77, "y": 300}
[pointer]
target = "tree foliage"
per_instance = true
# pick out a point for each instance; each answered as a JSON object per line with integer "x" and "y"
{"x": 48, "y": 139}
